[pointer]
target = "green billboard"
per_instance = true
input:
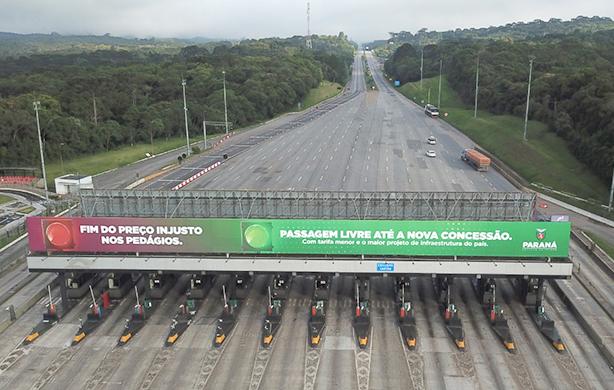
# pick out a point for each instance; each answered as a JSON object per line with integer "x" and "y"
{"x": 294, "y": 236}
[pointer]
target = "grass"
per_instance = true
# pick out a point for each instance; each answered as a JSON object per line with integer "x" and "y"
{"x": 5, "y": 199}
{"x": 603, "y": 244}
{"x": 326, "y": 90}
{"x": 7, "y": 238}
{"x": 103, "y": 161}
{"x": 543, "y": 159}
{"x": 26, "y": 210}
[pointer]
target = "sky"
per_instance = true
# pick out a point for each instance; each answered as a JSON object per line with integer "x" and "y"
{"x": 362, "y": 20}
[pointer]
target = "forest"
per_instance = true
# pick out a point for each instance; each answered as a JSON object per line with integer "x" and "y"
{"x": 572, "y": 89}
{"x": 138, "y": 95}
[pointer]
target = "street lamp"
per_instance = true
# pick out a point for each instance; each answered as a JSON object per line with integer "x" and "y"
{"x": 37, "y": 106}
{"x": 526, "y": 114}
{"x": 477, "y": 87}
{"x": 225, "y": 105}
{"x": 611, "y": 193}
{"x": 439, "y": 93}
{"x": 185, "y": 114}
{"x": 421, "y": 65}
{"x": 61, "y": 159}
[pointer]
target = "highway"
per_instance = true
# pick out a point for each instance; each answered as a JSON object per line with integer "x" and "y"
{"x": 374, "y": 142}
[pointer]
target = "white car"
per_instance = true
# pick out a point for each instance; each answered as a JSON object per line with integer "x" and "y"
{"x": 431, "y": 110}
{"x": 431, "y": 140}
{"x": 431, "y": 153}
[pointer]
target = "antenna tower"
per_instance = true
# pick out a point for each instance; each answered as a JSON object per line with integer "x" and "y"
{"x": 308, "y": 41}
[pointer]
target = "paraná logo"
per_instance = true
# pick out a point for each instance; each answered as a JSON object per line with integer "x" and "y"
{"x": 541, "y": 234}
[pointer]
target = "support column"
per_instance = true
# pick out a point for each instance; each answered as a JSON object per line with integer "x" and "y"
{"x": 533, "y": 292}
{"x": 362, "y": 320}
{"x": 446, "y": 293}
{"x": 407, "y": 318}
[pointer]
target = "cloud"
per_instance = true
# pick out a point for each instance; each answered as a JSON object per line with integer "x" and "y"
{"x": 363, "y": 20}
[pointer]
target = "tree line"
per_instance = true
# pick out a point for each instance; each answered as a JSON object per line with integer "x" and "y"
{"x": 572, "y": 89}
{"x": 138, "y": 97}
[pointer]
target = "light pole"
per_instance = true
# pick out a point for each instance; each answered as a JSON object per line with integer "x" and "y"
{"x": 204, "y": 131}
{"x": 477, "y": 87}
{"x": 421, "y": 65}
{"x": 225, "y": 105}
{"x": 611, "y": 193}
{"x": 61, "y": 159}
{"x": 37, "y": 106}
{"x": 439, "y": 93}
{"x": 185, "y": 114}
{"x": 526, "y": 114}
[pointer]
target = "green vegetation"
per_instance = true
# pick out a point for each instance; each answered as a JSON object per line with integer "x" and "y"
{"x": 325, "y": 90}
{"x": 138, "y": 96}
{"x": 368, "y": 76}
{"x": 104, "y": 160}
{"x": 509, "y": 32}
{"x": 607, "y": 246}
{"x": 26, "y": 210}
{"x": 544, "y": 159}
{"x": 6, "y": 199}
{"x": 7, "y": 238}
{"x": 15, "y": 45}
{"x": 572, "y": 91}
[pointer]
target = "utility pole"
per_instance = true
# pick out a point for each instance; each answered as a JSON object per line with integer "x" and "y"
{"x": 611, "y": 193}
{"x": 95, "y": 112}
{"x": 61, "y": 158}
{"x": 225, "y": 105}
{"x": 308, "y": 41}
{"x": 477, "y": 88}
{"x": 204, "y": 131}
{"x": 439, "y": 94}
{"x": 421, "y": 65}
{"x": 185, "y": 114}
{"x": 428, "y": 99}
{"x": 526, "y": 114}
{"x": 37, "y": 106}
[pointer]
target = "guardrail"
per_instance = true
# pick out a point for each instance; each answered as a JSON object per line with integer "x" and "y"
{"x": 605, "y": 262}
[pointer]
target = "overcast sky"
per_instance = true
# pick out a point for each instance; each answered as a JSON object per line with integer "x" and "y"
{"x": 362, "y": 20}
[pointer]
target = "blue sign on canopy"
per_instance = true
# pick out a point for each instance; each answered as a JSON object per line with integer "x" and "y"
{"x": 397, "y": 83}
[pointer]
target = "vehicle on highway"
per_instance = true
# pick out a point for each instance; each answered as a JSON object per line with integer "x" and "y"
{"x": 431, "y": 153}
{"x": 431, "y": 110}
{"x": 431, "y": 140}
{"x": 476, "y": 159}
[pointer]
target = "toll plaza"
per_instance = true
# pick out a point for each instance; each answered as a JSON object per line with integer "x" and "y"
{"x": 163, "y": 235}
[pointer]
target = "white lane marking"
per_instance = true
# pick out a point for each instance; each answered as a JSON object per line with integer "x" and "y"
{"x": 344, "y": 179}
{"x": 365, "y": 179}
{"x": 321, "y": 177}
{"x": 300, "y": 178}
{"x": 326, "y": 167}
{"x": 331, "y": 157}
{"x": 314, "y": 158}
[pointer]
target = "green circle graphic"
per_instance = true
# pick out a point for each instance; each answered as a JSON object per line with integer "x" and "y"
{"x": 257, "y": 236}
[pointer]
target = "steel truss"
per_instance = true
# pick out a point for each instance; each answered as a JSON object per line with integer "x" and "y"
{"x": 491, "y": 206}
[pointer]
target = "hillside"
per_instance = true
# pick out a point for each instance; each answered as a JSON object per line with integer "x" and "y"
{"x": 15, "y": 45}
{"x": 138, "y": 96}
{"x": 510, "y": 32}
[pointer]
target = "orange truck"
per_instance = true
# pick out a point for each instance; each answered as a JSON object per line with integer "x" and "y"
{"x": 476, "y": 159}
